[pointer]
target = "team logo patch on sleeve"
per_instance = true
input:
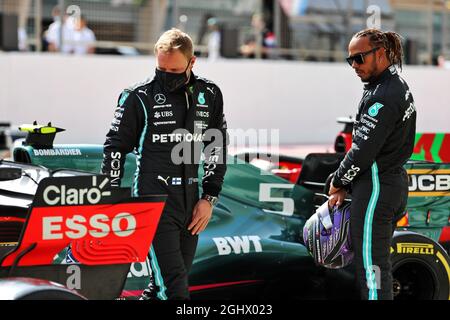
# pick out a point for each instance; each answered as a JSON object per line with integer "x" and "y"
{"x": 373, "y": 110}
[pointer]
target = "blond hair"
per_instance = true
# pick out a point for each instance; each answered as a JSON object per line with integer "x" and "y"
{"x": 175, "y": 39}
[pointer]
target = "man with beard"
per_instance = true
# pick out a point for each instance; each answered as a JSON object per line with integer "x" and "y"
{"x": 383, "y": 140}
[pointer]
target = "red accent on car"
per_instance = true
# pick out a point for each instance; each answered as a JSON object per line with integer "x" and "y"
{"x": 219, "y": 285}
{"x": 136, "y": 293}
{"x": 288, "y": 170}
{"x": 12, "y": 219}
{"x": 130, "y": 293}
{"x": 343, "y": 142}
{"x": 445, "y": 235}
{"x": 425, "y": 143}
{"x": 404, "y": 222}
{"x": 428, "y": 217}
{"x": 98, "y": 234}
{"x": 444, "y": 153}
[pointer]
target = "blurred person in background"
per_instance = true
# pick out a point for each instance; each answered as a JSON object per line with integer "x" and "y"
{"x": 442, "y": 63}
{"x": 156, "y": 117}
{"x": 214, "y": 40}
{"x": 260, "y": 33}
{"x": 52, "y": 35}
{"x": 203, "y": 29}
{"x": 23, "y": 7}
{"x": 22, "y": 39}
{"x": 83, "y": 38}
{"x": 383, "y": 141}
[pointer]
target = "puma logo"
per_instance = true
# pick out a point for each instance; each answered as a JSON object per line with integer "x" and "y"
{"x": 164, "y": 180}
{"x": 143, "y": 91}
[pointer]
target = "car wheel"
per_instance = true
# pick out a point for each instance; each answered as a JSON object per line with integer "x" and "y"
{"x": 420, "y": 268}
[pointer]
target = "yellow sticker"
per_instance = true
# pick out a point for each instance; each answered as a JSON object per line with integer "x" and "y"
{"x": 415, "y": 248}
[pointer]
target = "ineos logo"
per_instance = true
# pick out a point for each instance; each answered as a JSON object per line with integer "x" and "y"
{"x": 115, "y": 164}
{"x": 54, "y": 195}
{"x": 351, "y": 173}
{"x": 160, "y": 98}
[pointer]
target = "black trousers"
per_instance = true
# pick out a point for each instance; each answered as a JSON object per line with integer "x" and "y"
{"x": 172, "y": 253}
{"x": 378, "y": 202}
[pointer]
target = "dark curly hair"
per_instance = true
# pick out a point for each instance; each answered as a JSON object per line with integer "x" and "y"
{"x": 390, "y": 41}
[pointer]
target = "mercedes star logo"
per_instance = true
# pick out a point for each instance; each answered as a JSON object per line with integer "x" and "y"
{"x": 160, "y": 98}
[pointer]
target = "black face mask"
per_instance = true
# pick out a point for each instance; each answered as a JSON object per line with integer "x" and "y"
{"x": 172, "y": 81}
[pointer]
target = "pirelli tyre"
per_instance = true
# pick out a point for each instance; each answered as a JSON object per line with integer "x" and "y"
{"x": 420, "y": 268}
{"x": 35, "y": 289}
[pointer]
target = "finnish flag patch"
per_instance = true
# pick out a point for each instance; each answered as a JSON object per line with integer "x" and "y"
{"x": 176, "y": 181}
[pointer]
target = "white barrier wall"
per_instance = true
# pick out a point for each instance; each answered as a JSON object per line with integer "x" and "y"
{"x": 302, "y": 100}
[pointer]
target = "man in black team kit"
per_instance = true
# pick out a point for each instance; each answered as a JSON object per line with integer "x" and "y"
{"x": 383, "y": 140}
{"x": 165, "y": 120}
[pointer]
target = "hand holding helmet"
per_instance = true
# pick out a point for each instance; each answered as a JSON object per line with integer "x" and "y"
{"x": 327, "y": 236}
{"x": 337, "y": 196}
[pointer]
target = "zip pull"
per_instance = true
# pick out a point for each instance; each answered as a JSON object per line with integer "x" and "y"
{"x": 187, "y": 100}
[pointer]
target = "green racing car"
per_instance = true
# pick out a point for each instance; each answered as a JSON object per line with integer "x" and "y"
{"x": 253, "y": 246}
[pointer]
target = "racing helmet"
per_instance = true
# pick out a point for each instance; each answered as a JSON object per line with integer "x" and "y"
{"x": 326, "y": 235}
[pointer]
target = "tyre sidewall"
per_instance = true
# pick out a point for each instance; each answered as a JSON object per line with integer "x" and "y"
{"x": 433, "y": 257}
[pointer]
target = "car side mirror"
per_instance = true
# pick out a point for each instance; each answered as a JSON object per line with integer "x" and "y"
{"x": 7, "y": 174}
